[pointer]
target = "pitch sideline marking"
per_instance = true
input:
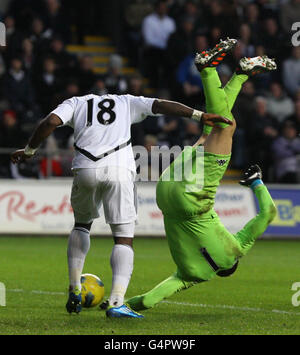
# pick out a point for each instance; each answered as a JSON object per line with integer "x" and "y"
{"x": 201, "y": 305}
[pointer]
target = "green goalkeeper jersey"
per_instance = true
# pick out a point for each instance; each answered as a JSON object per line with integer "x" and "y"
{"x": 188, "y": 186}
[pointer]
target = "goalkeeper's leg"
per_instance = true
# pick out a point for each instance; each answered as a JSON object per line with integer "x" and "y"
{"x": 165, "y": 289}
{"x": 233, "y": 88}
{"x": 247, "y": 67}
{"x": 215, "y": 95}
{"x": 219, "y": 141}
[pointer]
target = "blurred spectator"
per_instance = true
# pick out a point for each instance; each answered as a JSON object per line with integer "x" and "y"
{"x": 180, "y": 43}
{"x": 215, "y": 14}
{"x": 289, "y": 13}
{"x": 252, "y": 18}
{"x": 192, "y": 132}
{"x": 215, "y": 35}
{"x": 189, "y": 77}
{"x": 11, "y": 133}
{"x": 4, "y": 7}
{"x": 56, "y": 20}
{"x": 39, "y": 35}
{"x": 279, "y": 104}
{"x": 263, "y": 81}
{"x": 136, "y": 85}
{"x": 134, "y": 14}
{"x": 232, "y": 17}
{"x": 17, "y": 88}
{"x": 11, "y": 136}
{"x": 66, "y": 63}
{"x": 71, "y": 89}
{"x": 291, "y": 71}
{"x": 114, "y": 81}
{"x": 243, "y": 112}
{"x": 260, "y": 50}
{"x": 156, "y": 29}
{"x": 286, "y": 150}
{"x": 297, "y": 95}
{"x": 245, "y": 38}
{"x": 193, "y": 10}
{"x": 13, "y": 38}
{"x": 260, "y": 135}
{"x": 47, "y": 84}
{"x": 10, "y": 28}
{"x": 150, "y": 141}
{"x": 99, "y": 87}
{"x": 295, "y": 118}
{"x": 172, "y": 131}
{"x": 27, "y": 54}
{"x": 272, "y": 38}
{"x": 243, "y": 109}
{"x": 2, "y": 64}
{"x": 85, "y": 74}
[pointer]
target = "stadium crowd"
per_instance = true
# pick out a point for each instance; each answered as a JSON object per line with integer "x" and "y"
{"x": 160, "y": 39}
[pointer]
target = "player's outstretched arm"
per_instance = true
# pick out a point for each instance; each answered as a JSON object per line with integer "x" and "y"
{"x": 172, "y": 108}
{"x": 42, "y": 131}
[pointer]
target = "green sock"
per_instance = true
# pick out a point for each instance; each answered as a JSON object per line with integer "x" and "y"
{"x": 257, "y": 226}
{"x": 163, "y": 290}
{"x": 233, "y": 87}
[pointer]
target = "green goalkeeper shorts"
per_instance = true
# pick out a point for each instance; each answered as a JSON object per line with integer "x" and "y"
{"x": 191, "y": 223}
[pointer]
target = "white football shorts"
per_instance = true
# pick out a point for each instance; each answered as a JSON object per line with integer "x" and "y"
{"x": 110, "y": 186}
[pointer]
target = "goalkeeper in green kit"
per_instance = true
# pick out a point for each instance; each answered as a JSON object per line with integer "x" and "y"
{"x": 200, "y": 245}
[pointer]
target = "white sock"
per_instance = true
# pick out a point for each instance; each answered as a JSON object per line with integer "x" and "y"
{"x": 78, "y": 247}
{"x": 121, "y": 262}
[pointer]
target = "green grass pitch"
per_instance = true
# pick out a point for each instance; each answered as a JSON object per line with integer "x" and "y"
{"x": 255, "y": 300}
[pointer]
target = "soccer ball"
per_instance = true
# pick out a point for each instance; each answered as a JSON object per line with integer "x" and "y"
{"x": 92, "y": 290}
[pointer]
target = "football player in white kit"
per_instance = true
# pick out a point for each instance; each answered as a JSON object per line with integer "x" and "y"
{"x": 104, "y": 172}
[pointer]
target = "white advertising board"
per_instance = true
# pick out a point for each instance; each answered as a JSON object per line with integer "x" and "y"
{"x": 43, "y": 207}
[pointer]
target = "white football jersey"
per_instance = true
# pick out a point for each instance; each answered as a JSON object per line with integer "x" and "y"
{"x": 102, "y": 125}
